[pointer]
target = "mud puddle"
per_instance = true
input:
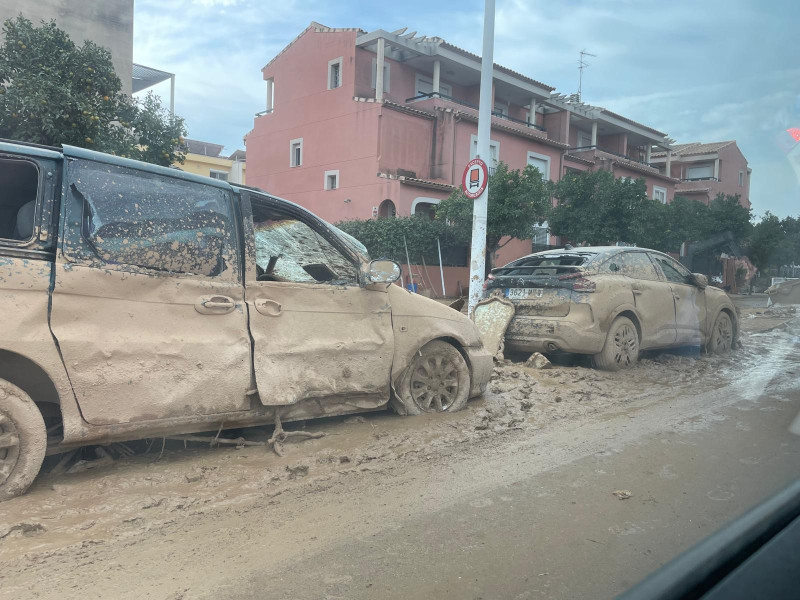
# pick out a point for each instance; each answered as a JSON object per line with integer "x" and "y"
{"x": 154, "y": 493}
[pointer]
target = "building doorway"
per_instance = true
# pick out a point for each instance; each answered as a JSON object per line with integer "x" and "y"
{"x": 387, "y": 210}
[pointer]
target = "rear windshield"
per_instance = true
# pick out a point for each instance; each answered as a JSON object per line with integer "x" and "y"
{"x": 543, "y": 265}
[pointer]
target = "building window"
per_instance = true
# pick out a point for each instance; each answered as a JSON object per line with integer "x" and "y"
{"x": 335, "y": 73}
{"x": 424, "y": 85}
{"x": 387, "y": 210}
{"x": 660, "y": 194}
{"x": 584, "y": 139}
{"x": 700, "y": 172}
{"x": 386, "y": 72}
{"x": 541, "y": 162}
{"x": 331, "y": 180}
{"x": 741, "y": 178}
{"x": 296, "y": 152}
{"x": 221, "y": 175}
{"x": 270, "y": 94}
{"x": 541, "y": 234}
{"x": 494, "y": 151}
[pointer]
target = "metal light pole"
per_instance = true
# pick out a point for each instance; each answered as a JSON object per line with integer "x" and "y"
{"x": 478, "y": 254}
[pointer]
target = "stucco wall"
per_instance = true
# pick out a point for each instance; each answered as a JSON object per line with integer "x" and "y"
{"x": 107, "y": 23}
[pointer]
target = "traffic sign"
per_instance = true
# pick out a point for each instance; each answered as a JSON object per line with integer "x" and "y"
{"x": 475, "y": 178}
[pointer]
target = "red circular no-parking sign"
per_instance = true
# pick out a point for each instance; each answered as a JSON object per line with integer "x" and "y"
{"x": 475, "y": 178}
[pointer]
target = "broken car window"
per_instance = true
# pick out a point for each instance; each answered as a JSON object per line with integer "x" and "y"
{"x": 288, "y": 249}
{"x": 672, "y": 271}
{"x": 146, "y": 220}
{"x": 549, "y": 264}
{"x": 19, "y": 181}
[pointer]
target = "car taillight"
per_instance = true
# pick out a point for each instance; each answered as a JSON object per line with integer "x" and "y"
{"x": 582, "y": 284}
{"x": 489, "y": 278}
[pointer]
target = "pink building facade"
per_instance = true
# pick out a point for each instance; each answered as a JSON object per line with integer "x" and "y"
{"x": 362, "y": 125}
{"x": 705, "y": 170}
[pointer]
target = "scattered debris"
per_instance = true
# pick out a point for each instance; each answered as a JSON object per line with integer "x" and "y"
{"x": 296, "y": 471}
{"x": 103, "y": 460}
{"x": 279, "y": 436}
{"x": 354, "y": 420}
{"x": 492, "y": 317}
{"x": 23, "y": 529}
{"x": 458, "y": 304}
{"x": 538, "y": 360}
{"x": 622, "y": 494}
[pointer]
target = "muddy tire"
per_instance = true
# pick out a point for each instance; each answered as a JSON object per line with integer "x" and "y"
{"x": 621, "y": 349}
{"x": 721, "y": 340}
{"x": 437, "y": 380}
{"x": 23, "y": 441}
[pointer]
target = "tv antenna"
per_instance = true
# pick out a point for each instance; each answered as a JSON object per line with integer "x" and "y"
{"x": 582, "y": 64}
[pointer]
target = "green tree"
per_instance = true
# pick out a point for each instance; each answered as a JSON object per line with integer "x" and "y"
{"x": 53, "y": 92}
{"x": 518, "y": 200}
{"x": 775, "y": 242}
{"x": 726, "y": 214}
{"x": 598, "y": 208}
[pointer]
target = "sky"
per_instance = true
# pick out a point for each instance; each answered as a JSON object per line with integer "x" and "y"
{"x": 700, "y": 71}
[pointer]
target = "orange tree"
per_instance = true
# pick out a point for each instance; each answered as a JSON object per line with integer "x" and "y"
{"x": 54, "y": 92}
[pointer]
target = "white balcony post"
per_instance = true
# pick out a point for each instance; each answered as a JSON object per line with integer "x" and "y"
{"x": 270, "y": 91}
{"x": 594, "y": 134}
{"x": 532, "y": 117}
{"x": 379, "y": 69}
{"x": 437, "y": 67}
{"x": 716, "y": 169}
{"x": 668, "y": 172}
{"x": 477, "y": 261}
{"x": 647, "y": 156}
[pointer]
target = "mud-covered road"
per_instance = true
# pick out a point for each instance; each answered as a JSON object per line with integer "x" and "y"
{"x": 511, "y": 498}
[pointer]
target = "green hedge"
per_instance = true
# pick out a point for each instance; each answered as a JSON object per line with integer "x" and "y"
{"x": 384, "y": 239}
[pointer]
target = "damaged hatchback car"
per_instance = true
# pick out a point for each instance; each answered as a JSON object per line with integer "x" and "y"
{"x": 142, "y": 301}
{"x": 611, "y": 303}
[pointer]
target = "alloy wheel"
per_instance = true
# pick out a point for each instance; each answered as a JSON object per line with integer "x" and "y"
{"x": 9, "y": 447}
{"x": 434, "y": 383}
{"x": 626, "y": 343}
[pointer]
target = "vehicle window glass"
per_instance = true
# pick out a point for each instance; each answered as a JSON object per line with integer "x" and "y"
{"x": 19, "y": 182}
{"x": 672, "y": 272}
{"x": 638, "y": 266}
{"x": 135, "y": 218}
{"x": 549, "y": 264}
{"x": 287, "y": 249}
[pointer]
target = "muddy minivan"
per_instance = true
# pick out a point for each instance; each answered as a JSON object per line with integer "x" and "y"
{"x": 141, "y": 301}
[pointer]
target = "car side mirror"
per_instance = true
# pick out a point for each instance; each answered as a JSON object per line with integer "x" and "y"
{"x": 700, "y": 280}
{"x": 383, "y": 271}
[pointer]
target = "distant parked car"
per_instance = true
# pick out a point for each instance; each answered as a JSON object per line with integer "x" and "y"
{"x": 141, "y": 301}
{"x": 611, "y": 303}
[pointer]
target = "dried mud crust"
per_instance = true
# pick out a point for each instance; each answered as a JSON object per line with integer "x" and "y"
{"x": 23, "y": 441}
{"x": 74, "y": 531}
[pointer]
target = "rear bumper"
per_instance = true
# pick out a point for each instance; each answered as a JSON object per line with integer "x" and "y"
{"x": 482, "y": 364}
{"x": 554, "y": 334}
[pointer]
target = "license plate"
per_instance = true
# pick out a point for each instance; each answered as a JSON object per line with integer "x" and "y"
{"x": 518, "y": 293}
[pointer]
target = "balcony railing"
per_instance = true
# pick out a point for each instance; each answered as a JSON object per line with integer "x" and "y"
{"x": 636, "y": 160}
{"x": 700, "y": 179}
{"x": 495, "y": 113}
{"x": 264, "y": 112}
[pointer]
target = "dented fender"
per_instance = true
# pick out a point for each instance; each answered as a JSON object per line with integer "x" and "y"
{"x": 417, "y": 320}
